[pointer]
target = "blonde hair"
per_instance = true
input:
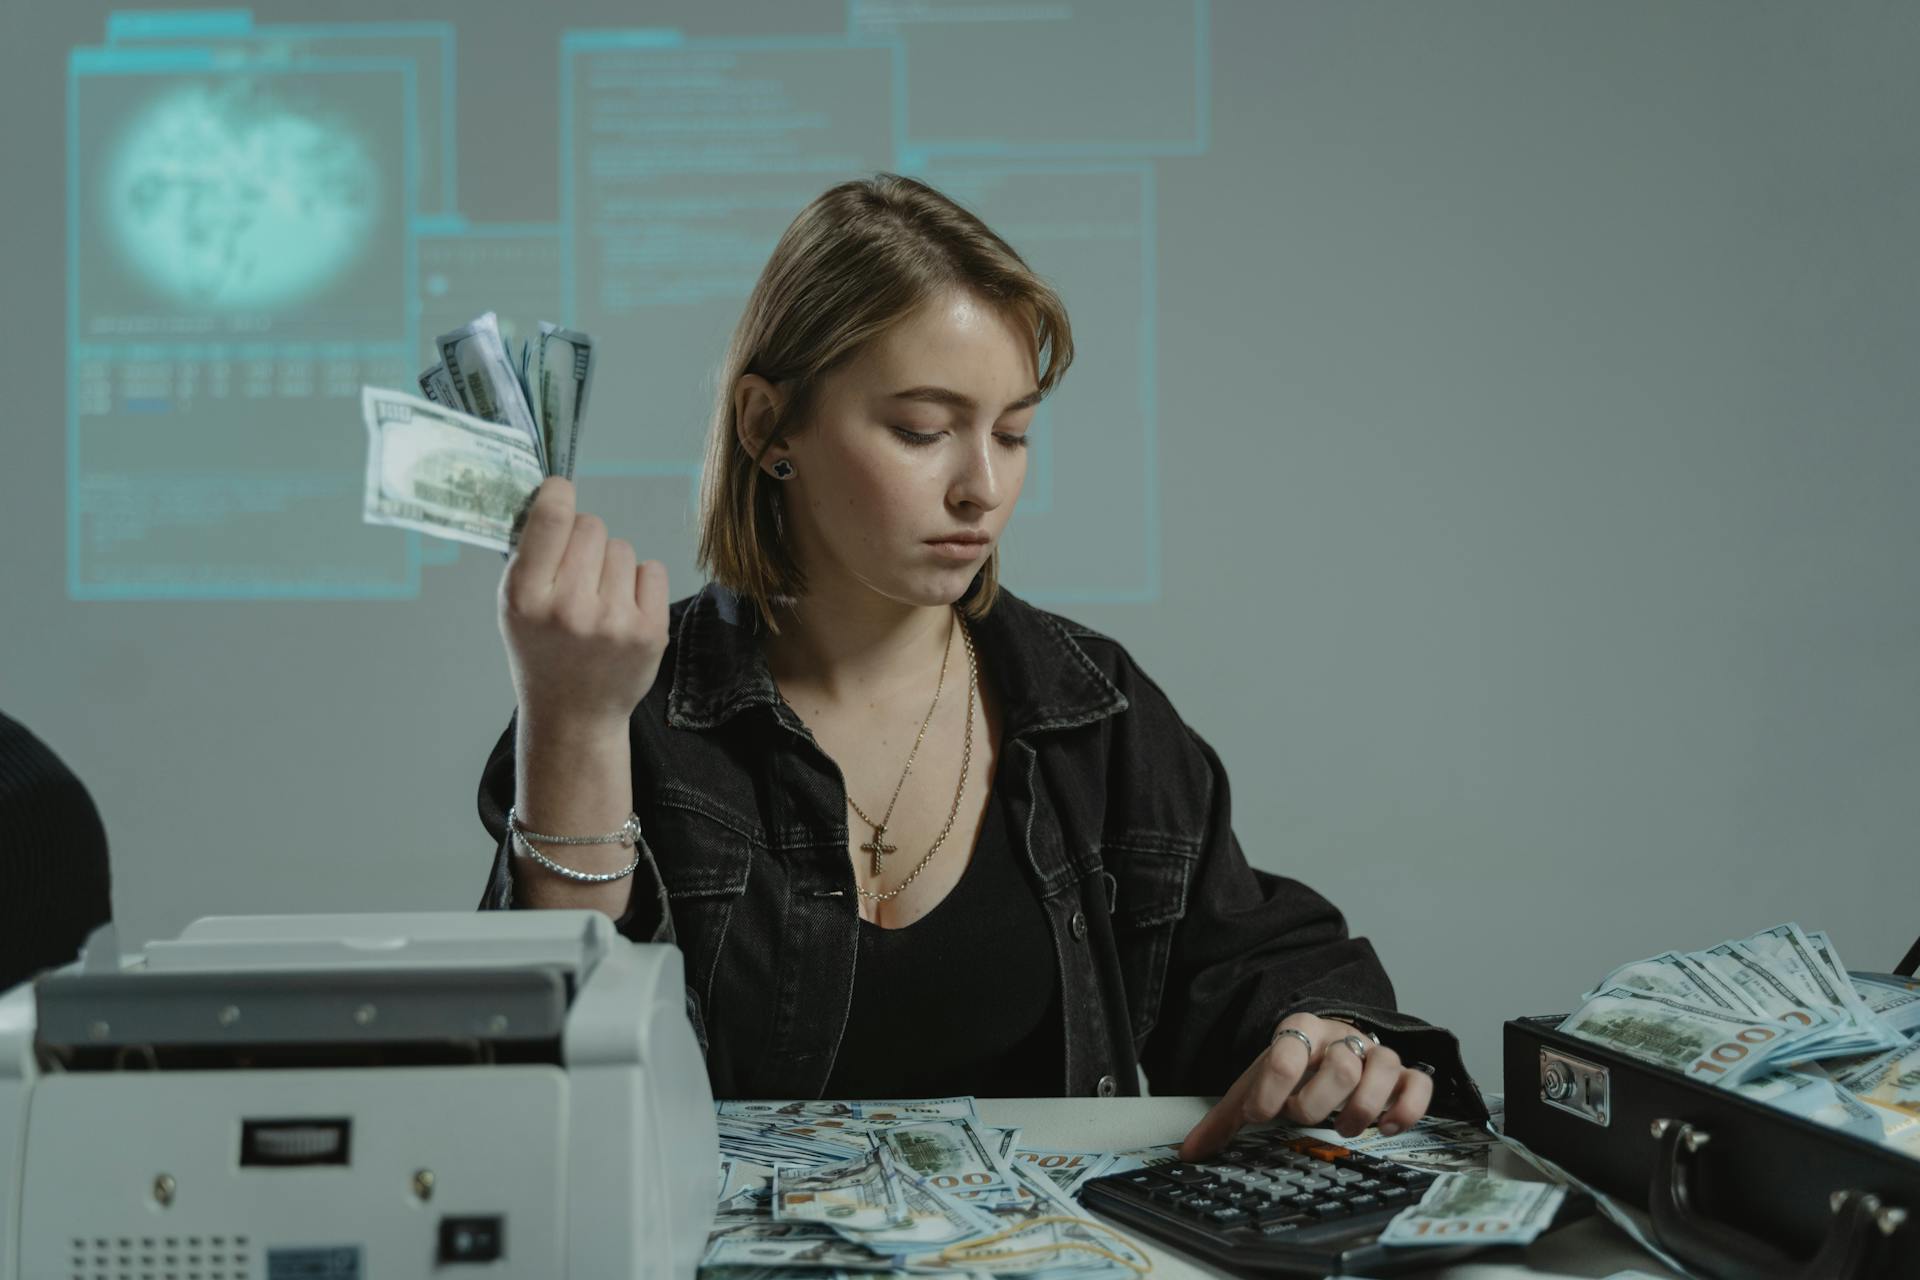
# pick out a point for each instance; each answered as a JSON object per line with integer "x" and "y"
{"x": 859, "y": 259}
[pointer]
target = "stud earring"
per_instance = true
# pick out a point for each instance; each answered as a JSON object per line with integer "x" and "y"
{"x": 783, "y": 470}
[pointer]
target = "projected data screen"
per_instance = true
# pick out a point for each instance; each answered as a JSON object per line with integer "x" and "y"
{"x": 263, "y": 217}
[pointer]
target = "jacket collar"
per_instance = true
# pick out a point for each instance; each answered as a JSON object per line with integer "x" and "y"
{"x": 1046, "y": 679}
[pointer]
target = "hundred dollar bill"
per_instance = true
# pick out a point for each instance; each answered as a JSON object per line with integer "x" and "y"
{"x": 862, "y": 1194}
{"x": 562, "y": 375}
{"x": 1766, "y": 989}
{"x": 1630, "y": 1221}
{"x": 1671, "y": 974}
{"x": 1066, "y": 1169}
{"x": 1890, "y": 1084}
{"x": 1813, "y": 961}
{"x": 1047, "y": 1233}
{"x": 952, "y": 1155}
{"x": 1894, "y": 1000}
{"x": 738, "y": 1177}
{"x": 436, "y": 386}
{"x": 1813, "y": 1097}
{"x": 798, "y": 1251}
{"x": 932, "y": 1220}
{"x": 444, "y": 472}
{"x": 878, "y": 1111}
{"x": 1477, "y": 1208}
{"x": 1702, "y": 1044}
{"x": 476, "y": 359}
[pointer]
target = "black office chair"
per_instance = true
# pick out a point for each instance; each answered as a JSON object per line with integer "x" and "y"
{"x": 55, "y": 886}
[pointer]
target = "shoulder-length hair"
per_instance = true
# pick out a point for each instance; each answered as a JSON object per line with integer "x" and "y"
{"x": 860, "y": 258}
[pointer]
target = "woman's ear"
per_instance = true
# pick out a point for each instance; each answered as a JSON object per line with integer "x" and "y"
{"x": 756, "y": 407}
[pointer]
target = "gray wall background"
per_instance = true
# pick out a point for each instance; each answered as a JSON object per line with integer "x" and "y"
{"x": 1536, "y": 437}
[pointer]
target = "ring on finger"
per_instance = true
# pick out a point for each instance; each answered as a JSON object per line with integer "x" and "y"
{"x": 1356, "y": 1046}
{"x": 1297, "y": 1034}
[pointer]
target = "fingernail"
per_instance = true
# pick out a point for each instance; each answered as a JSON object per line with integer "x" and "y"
{"x": 1388, "y": 1130}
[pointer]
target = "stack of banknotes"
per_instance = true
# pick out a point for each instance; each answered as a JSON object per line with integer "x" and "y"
{"x": 1777, "y": 1017}
{"x": 925, "y": 1187}
{"x": 462, "y": 461}
{"x": 860, "y": 1187}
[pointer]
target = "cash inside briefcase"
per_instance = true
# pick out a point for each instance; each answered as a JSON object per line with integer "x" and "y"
{"x": 1737, "y": 1189}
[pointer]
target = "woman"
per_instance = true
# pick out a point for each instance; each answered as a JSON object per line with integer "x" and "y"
{"x": 912, "y": 835}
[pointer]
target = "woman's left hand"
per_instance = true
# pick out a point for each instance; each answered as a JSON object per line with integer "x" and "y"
{"x": 1306, "y": 1085}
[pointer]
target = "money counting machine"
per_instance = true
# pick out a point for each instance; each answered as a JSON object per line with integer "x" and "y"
{"x": 340, "y": 1097}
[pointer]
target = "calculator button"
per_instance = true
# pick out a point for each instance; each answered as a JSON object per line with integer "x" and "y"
{"x": 1319, "y": 1150}
{"x": 1362, "y": 1203}
{"x": 1328, "y": 1209}
{"x": 1228, "y": 1216}
{"x": 1394, "y": 1195}
{"x": 1187, "y": 1174}
{"x": 1285, "y": 1225}
{"x": 1146, "y": 1179}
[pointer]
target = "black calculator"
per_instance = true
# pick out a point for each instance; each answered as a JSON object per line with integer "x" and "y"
{"x": 1276, "y": 1203}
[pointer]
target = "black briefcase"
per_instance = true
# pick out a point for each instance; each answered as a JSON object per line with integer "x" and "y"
{"x": 1736, "y": 1189}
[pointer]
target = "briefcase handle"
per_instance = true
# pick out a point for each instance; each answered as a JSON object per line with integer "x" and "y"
{"x": 1861, "y": 1224}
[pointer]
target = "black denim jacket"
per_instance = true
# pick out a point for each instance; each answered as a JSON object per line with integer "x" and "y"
{"x": 1173, "y": 953}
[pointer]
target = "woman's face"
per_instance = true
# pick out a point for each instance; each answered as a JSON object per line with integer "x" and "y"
{"x": 878, "y": 473}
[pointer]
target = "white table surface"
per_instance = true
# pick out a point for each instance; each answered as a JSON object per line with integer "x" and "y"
{"x": 1591, "y": 1248}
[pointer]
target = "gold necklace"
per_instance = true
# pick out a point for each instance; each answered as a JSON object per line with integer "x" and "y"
{"x": 966, "y": 755}
{"x": 878, "y": 846}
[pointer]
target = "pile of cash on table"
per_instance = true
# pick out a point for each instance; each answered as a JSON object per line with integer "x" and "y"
{"x": 877, "y": 1186}
{"x": 926, "y": 1187}
{"x": 1778, "y": 1018}
{"x": 462, "y": 462}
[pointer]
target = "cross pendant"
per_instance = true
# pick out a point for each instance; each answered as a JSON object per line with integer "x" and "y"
{"x": 878, "y": 847}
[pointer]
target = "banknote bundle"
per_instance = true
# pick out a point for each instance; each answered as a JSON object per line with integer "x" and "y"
{"x": 1476, "y": 1208}
{"x": 461, "y": 460}
{"x": 1778, "y": 1018}
{"x": 863, "y": 1187}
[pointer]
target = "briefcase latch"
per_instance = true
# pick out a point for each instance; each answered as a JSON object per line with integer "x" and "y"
{"x": 1575, "y": 1085}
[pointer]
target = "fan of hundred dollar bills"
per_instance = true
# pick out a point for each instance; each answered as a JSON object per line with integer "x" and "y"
{"x": 1778, "y": 1018}
{"x": 462, "y": 462}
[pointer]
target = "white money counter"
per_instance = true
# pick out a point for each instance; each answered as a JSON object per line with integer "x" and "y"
{"x": 337, "y": 1097}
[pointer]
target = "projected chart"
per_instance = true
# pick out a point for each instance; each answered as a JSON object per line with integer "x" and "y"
{"x": 265, "y": 216}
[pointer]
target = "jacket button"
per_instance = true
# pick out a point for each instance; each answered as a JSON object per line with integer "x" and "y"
{"x": 1078, "y": 925}
{"x": 1106, "y": 1088}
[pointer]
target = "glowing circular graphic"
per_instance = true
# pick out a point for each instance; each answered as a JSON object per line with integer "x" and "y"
{"x": 230, "y": 195}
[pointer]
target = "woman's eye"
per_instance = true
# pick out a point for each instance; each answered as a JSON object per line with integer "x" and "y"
{"x": 917, "y": 438}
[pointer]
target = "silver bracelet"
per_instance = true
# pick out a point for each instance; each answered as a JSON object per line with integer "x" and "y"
{"x": 583, "y": 877}
{"x": 628, "y": 833}
{"x": 628, "y": 836}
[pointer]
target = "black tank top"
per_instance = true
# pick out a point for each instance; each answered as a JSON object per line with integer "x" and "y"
{"x": 965, "y": 1000}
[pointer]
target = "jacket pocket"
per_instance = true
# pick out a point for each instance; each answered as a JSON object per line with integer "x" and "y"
{"x": 705, "y": 855}
{"x": 1149, "y": 895}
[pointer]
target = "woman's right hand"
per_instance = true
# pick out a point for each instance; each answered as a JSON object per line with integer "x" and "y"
{"x": 585, "y": 627}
